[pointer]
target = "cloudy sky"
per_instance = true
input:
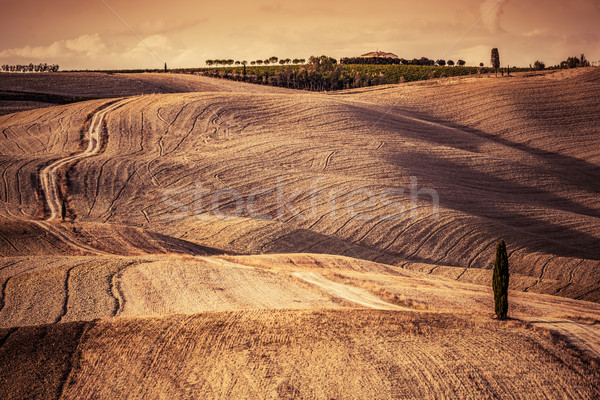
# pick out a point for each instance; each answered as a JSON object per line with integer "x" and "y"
{"x": 93, "y": 34}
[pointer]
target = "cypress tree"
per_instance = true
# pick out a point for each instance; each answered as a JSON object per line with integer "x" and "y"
{"x": 63, "y": 210}
{"x": 495, "y": 60}
{"x": 500, "y": 281}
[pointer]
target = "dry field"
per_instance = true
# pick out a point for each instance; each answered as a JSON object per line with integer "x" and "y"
{"x": 185, "y": 237}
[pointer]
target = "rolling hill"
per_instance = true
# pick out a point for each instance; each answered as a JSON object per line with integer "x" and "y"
{"x": 183, "y": 236}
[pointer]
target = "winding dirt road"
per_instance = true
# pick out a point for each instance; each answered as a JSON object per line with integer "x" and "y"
{"x": 48, "y": 174}
{"x": 49, "y": 178}
{"x": 584, "y": 336}
{"x": 347, "y": 292}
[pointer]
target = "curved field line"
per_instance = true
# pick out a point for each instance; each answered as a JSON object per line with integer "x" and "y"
{"x": 584, "y": 336}
{"x": 49, "y": 178}
{"x": 347, "y": 292}
{"x": 48, "y": 174}
{"x": 68, "y": 241}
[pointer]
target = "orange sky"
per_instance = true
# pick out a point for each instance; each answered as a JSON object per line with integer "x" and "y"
{"x": 184, "y": 33}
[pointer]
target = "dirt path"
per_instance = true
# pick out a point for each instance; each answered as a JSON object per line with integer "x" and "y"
{"x": 585, "y": 336}
{"x": 48, "y": 174}
{"x": 49, "y": 178}
{"x": 56, "y": 231}
{"x": 346, "y": 292}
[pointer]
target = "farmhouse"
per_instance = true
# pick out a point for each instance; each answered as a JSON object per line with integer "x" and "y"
{"x": 378, "y": 53}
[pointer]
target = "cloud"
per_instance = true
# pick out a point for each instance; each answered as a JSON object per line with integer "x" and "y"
{"x": 189, "y": 58}
{"x": 82, "y": 46}
{"x": 152, "y": 48}
{"x": 94, "y": 51}
{"x": 157, "y": 42}
{"x": 271, "y": 8}
{"x": 159, "y": 26}
{"x": 493, "y": 18}
{"x": 536, "y": 32}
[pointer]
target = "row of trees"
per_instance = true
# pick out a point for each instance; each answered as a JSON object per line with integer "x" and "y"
{"x": 283, "y": 61}
{"x": 399, "y": 61}
{"x": 319, "y": 74}
{"x": 42, "y": 67}
{"x": 575, "y": 62}
{"x": 460, "y": 63}
{"x": 570, "y": 62}
{"x": 271, "y": 60}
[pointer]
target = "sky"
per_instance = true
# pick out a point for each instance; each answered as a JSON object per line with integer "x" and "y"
{"x": 119, "y": 34}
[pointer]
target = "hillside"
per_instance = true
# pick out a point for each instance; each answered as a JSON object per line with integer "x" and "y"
{"x": 227, "y": 240}
{"x": 21, "y": 92}
{"x": 167, "y": 156}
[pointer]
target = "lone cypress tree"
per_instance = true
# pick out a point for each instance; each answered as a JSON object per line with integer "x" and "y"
{"x": 500, "y": 281}
{"x": 63, "y": 210}
{"x": 495, "y": 59}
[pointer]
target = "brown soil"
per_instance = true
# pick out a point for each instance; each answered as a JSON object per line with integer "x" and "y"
{"x": 125, "y": 283}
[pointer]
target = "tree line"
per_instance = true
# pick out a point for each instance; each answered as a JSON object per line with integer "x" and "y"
{"x": 399, "y": 61}
{"x": 267, "y": 61}
{"x": 318, "y": 74}
{"x": 325, "y": 73}
{"x": 42, "y": 67}
{"x": 570, "y": 62}
{"x": 575, "y": 62}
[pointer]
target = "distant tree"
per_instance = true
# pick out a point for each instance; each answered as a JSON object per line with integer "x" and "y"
{"x": 273, "y": 60}
{"x": 539, "y": 65}
{"x": 571, "y": 62}
{"x": 229, "y": 62}
{"x": 461, "y": 63}
{"x": 244, "y": 63}
{"x": 320, "y": 64}
{"x": 441, "y": 63}
{"x": 165, "y": 67}
{"x": 42, "y": 67}
{"x": 500, "y": 281}
{"x": 481, "y": 65}
{"x": 302, "y": 61}
{"x": 259, "y": 62}
{"x": 252, "y": 62}
{"x": 495, "y": 60}
{"x": 282, "y": 61}
{"x": 63, "y": 210}
{"x": 451, "y": 63}
{"x": 267, "y": 61}
{"x": 209, "y": 62}
{"x": 237, "y": 63}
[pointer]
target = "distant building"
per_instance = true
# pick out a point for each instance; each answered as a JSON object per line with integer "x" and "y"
{"x": 381, "y": 54}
